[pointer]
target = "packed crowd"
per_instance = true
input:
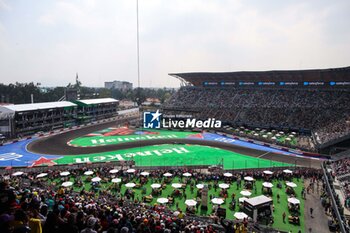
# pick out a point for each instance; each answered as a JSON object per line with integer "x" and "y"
{"x": 341, "y": 169}
{"x": 29, "y": 204}
{"x": 323, "y": 111}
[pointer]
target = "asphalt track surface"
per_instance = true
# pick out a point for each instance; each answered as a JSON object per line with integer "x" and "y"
{"x": 57, "y": 145}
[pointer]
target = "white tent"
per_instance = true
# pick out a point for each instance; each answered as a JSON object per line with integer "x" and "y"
{"x": 291, "y": 184}
{"x": 114, "y": 171}
{"x": 293, "y": 200}
{"x": 187, "y": 174}
{"x": 267, "y": 185}
{"x": 240, "y": 215}
{"x": 17, "y": 173}
{"x": 116, "y": 180}
{"x": 224, "y": 186}
{"x": 190, "y": 202}
{"x": 245, "y": 193}
{"x": 162, "y": 200}
{"x": 130, "y": 185}
{"x": 67, "y": 184}
{"x": 144, "y": 173}
{"x": 96, "y": 179}
{"x": 167, "y": 174}
{"x": 176, "y": 185}
{"x": 217, "y": 201}
{"x": 64, "y": 173}
{"x": 156, "y": 186}
{"x": 41, "y": 175}
{"x": 87, "y": 173}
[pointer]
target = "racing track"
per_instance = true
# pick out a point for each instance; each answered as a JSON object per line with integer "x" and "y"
{"x": 57, "y": 145}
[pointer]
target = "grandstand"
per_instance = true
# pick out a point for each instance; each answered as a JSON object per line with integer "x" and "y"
{"x": 25, "y": 119}
{"x": 96, "y": 109}
{"x": 310, "y": 102}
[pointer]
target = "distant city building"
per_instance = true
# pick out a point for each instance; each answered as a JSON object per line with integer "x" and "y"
{"x": 120, "y": 85}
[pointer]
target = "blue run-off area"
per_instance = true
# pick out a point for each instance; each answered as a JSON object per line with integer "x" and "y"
{"x": 16, "y": 155}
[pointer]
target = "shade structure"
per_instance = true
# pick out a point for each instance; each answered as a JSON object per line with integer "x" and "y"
{"x": 176, "y": 185}
{"x": 293, "y": 200}
{"x": 88, "y": 173}
{"x": 167, "y": 174}
{"x": 294, "y": 133}
{"x": 67, "y": 184}
{"x": 64, "y": 173}
{"x": 240, "y": 215}
{"x": 291, "y": 184}
{"x": 114, "y": 171}
{"x": 281, "y": 132}
{"x": 267, "y": 185}
{"x": 273, "y": 138}
{"x": 228, "y": 174}
{"x": 187, "y": 174}
{"x": 288, "y": 139}
{"x": 248, "y": 178}
{"x": 278, "y": 135}
{"x": 242, "y": 199}
{"x": 116, "y": 180}
{"x": 256, "y": 134}
{"x": 224, "y": 186}
{"x": 200, "y": 186}
{"x": 156, "y": 186}
{"x": 190, "y": 202}
{"x": 269, "y": 133}
{"x": 245, "y": 193}
{"x": 17, "y": 173}
{"x": 130, "y": 185}
{"x": 162, "y": 200}
{"x": 217, "y": 201}
{"x": 264, "y": 136}
{"x": 131, "y": 170}
{"x": 96, "y": 179}
{"x": 287, "y": 171}
{"x": 41, "y": 175}
{"x": 144, "y": 173}
{"x": 268, "y": 172}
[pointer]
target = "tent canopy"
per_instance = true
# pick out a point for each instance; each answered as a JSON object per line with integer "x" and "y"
{"x": 259, "y": 200}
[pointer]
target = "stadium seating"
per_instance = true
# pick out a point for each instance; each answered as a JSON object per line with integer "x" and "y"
{"x": 325, "y": 112}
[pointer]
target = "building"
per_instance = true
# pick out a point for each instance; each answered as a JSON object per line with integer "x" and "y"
{"x": 24, "y": 119}
{"x": 96, "y": 109}
{"x": 119, "y": 85}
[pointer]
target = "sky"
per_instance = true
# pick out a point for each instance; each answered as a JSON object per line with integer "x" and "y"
{"x": 49, "y": 41}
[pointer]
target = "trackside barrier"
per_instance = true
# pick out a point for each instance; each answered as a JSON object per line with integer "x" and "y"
{"x": 295, "y": 151}
{"x": 334, "y": 203}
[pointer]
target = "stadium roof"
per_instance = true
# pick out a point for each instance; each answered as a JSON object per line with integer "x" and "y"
{"x": 7, "y": 111}
{"x": 98, "y": 101}
{"x": 38, "y": 106}
{"x": 327, "y": 75}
